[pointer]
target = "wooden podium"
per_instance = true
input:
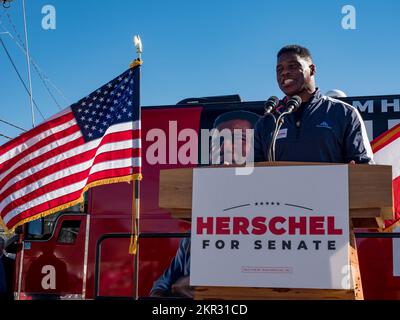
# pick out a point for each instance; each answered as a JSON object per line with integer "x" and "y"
{"x": 370, "y": 203}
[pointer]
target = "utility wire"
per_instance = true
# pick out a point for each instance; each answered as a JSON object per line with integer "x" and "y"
{"x": 19, "y": 75}
{"x": 3, "y": 135}
{"x": 39, "y": 71}
{"x": 12, "y": 125}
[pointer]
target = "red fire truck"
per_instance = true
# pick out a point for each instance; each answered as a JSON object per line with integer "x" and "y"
{"x": 82, "y": 252}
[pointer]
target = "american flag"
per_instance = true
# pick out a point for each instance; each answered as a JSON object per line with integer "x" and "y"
{"x": 386, "y": 148}
{"x": 94, "y": 141}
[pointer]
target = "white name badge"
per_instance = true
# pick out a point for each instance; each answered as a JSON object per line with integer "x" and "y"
{"x": 282, "y": 134}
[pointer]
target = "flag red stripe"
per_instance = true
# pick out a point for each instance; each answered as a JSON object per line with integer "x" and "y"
{"x": 53, "y": 203}
{"x": 57, "y": 167}
{"x": 42, "y": 143}
{"x": 25, "y": 182}
{"x": 76, "y": 159}
{"x": 49, "y": 140}
{"x": 41, "y": 170}
{"x": 52, "y": 153}
{"x": 112, "y": 137}
{"x": 65, "y": 181}
{"x": 36, "y": 131}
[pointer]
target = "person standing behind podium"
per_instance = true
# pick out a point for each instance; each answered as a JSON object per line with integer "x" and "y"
{"x": 6, "y": 272}
{"x": 175, "y": 281}
{"x": 323, "y": 129}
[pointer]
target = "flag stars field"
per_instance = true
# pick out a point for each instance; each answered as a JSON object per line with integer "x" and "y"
{"x": 94, "y": 141}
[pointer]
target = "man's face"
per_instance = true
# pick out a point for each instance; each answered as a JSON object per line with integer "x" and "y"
{"x": 228, "y": 147}
{"x": 294, "y": 74}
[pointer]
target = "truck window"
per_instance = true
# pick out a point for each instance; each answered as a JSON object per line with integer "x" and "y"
{"x": 69, "y": 232}
{"x": 43, "y": 228}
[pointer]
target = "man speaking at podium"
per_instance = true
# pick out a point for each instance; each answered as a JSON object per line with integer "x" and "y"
{"x": 322, "y": 129}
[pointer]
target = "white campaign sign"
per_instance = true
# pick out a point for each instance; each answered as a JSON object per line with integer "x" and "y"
{"x": 283, "y": 227}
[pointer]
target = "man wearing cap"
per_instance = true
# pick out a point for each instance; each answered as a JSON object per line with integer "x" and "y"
{"x": 175, "y": 279}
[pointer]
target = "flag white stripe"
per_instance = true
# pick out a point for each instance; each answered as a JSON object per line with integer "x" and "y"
{"x": 389, "y": 155}
{"x": 90, "y": 145}
{"x": 59, "y": 114}
{"x": 65, "y": 172}
{"x": 63, "y": 156}
{"x": 65, "y": 190}
{"x": 32, "y": 141}
{"x": 39, "y": 152}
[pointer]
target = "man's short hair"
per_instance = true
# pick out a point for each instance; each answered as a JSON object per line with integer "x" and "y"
{"x": 302, "y": 52}
{"x": 251, "y": 117}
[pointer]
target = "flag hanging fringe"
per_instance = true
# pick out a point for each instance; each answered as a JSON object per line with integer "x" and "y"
{"x": 135, "y": 214}
{"x": 133, "y": 244}
{"x": 48, "y": 168}
{"x": 43, "y": 214}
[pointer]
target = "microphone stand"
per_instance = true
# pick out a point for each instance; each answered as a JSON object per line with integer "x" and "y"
{"x": 269, "y": 113}
{"x": 292, "y": 105}
{"x": 278, "y": 125}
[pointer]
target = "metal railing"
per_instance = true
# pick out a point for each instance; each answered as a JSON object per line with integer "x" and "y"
{"x": 124, "y": 236}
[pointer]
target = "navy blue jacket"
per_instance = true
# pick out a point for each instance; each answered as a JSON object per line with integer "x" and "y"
{"x": 3, "y": 279}
{"x": 6, "y": 274}
{"x": 179, "y": 267}
{"x": 322, "y": 130}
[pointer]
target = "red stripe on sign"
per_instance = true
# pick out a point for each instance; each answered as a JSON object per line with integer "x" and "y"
{"x": 385, "y": 138}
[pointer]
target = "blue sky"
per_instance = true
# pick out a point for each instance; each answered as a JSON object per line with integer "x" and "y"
{"x": 195, "y": 48}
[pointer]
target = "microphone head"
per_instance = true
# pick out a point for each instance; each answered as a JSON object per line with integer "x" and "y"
{"x": 294, "y": 103}
{"x": 271, "y": 104}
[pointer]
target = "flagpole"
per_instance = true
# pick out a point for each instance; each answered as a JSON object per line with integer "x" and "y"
{"x": 138, "y": 45}
{"x": 28, "y": 62}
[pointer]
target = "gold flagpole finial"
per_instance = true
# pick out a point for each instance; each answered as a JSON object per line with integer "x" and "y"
{"x": 139, "y": 49}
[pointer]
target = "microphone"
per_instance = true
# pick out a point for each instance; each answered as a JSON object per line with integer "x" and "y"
{"x": 293, "y": 104}
{"x": 270, "y": 105}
